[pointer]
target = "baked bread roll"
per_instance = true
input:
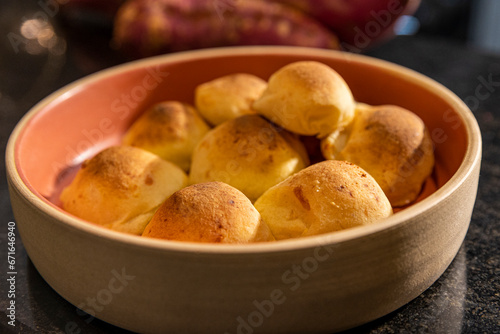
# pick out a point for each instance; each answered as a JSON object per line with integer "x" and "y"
{"x": 307, "y": 98}
{"x": 121, "y": 187}
{"x": 249, "y": 154}
{"x": 325, "y": 197}
{"x": 228, "y": 97}
{"x": 208, "y": 212}
{"x": 392, "y": 144}
{"x": 169, "y": 129}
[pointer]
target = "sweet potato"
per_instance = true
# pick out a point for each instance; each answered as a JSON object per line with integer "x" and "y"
{"x": 357, "y": 23}
{"x": 149, "y": 27}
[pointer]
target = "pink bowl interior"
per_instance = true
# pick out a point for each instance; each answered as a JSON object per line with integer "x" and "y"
{"x": 95, "y": 114}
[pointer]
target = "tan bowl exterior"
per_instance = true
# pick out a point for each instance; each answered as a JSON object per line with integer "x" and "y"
{"x": 316, "y": 284}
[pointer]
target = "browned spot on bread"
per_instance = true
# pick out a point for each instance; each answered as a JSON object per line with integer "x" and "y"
{"x": 297, "y": 191}
{"x": 344, "y": 189}
{"x": 116, "y": 167}
{"x": 310, "y": 74}
{"x": 149, "y": 180}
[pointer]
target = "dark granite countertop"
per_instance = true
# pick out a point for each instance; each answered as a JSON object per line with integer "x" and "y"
{"x": 466, "y": 299}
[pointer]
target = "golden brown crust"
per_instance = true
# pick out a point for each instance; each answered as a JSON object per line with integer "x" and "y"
{"x": 325, "y": 197}
{"x": 116, "y": 168}
{"x": 249, "y": 154}
{"x": 208, "y": 212}
{"x": 392, "y": 144}
{"x": 307, "y": 98}
{"x": 170, "y": 129}
{"x": 228, "y": 97}
{"x": 121, "y": 187}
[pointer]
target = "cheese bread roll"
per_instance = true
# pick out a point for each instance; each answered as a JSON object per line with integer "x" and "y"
{"x": 307, "y": 98}
{"x": 389, "y": 142}
{"x": 325, "y": 197}
{"x": 228, "y": 97}
{"x": 170, "y": 129}
{"x": 121, "y": 187}
{"x": 249, "y": 154}
{"x": 208, "y": 212}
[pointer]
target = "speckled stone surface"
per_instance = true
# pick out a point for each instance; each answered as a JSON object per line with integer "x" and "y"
{"x": 466, "y": 299}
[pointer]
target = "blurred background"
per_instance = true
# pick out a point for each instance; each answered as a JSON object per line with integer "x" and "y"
{"x": 47, "y": 43}
{"x": 40, "y": 37}
{"x": 474, "y": 23}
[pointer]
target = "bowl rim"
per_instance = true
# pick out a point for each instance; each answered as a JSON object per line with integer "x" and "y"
{"x": 471, "y": 158}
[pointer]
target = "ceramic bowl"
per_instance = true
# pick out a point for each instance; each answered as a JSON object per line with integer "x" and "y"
{"x": 317, "y": 284}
